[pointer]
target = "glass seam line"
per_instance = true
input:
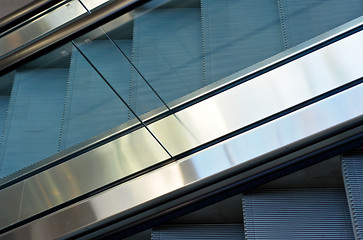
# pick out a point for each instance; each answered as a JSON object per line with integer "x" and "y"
{"x": 215, "y": 92}
{"x": 118, "y": 95}
{"x": 283, "y": 27}
{"x": 128, "y": 59}
{"x": 136, "y": 69}
{"x": 67, "y": 33}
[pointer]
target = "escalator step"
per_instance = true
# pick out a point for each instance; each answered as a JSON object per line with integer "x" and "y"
{"x": 198, "y": 231}
{"x": 320, "y": 213}
{"x": 353, "y": 180}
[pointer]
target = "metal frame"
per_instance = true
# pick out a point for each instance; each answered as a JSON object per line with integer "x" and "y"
{"x": 252, "y": 128}
{"x": 194, "y": 177}
{"x": 25, "y": 13}
{"x": 67, "y": 33}
{"x": 193, "y": 98}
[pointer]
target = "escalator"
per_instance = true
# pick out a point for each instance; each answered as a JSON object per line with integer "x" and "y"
{"x": 140, "y": 114}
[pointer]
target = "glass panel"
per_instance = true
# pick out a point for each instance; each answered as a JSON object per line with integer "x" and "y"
{"x": 91, "y": 107}
{"x": 152, "y": 58}
{"x": 112, "y": 59}
{"x": 303, "y": 20}
{"x": 182, "y": 46}
{"x": 34, "y": 108}
{"x": 238, "y": 34}
{"x": 51, "y": 104}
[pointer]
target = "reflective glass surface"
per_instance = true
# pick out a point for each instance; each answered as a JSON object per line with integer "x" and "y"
{"x": 144, "y": 63}
{"x": 182, "y": 46}
{"x": 111, "y": 58}
{"x": 53, "y": 103}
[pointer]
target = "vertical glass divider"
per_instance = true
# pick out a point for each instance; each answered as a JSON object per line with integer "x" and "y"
{"x": 129, "y": 60}
{"x": 118, "y": 95}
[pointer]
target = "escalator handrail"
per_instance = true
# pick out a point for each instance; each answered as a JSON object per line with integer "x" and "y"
{"x": 66, "y": 34}
{"x": 24, "y": 13}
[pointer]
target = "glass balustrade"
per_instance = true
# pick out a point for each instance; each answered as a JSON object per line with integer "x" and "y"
{"x": 140, "y": 65}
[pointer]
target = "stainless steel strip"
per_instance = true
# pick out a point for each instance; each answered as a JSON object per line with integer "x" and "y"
{"x": 40, "y": 26}
{"x": 171, "y": 180}
{"x": 220, "y": 84}
{"x": 94, "y": 169}
{"x": 263, "y": 96}
{"x": 293, "y": 83}
{"x": 92, "y": 4}
{"x": 25, "y": 13}
{"x": 10, "y": 202}
{"x": 44, "y": 24}
{"x": 66, "y": 33}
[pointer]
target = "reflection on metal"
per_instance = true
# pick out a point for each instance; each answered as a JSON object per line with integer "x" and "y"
{"x": 10, "y": 200}
{"x": 66, "y": 33}
{"x": 268, "y": 94}
{"x": 275, "y": 91}
{"x": 92, "y": 4}
{"x": 238, "y": 152}
{"x": 235, "y": 108}
{"x": 45, "y": 24}
{"x": 24, "y": 13}
{"x": 87, "y": 172}
{"x": 40, "y": 26}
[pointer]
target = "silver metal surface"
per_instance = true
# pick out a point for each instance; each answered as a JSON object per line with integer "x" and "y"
{"x": 92, "y": 4}
{"x": 268, "y": 94}
{"x": 215, "y": 161}
{"x": 40, "y": 26}
{"x": 90, "y": 171}
{"x": 10, "y": 201}
{"x": 247, "y": 103}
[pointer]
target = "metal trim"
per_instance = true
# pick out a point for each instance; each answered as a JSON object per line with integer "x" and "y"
{"x": 188, "y": 131}
{"x": 245, "y": 75}
{"x": 354, "y": 114}
{"x": 177, "y": 181}
{"x": 66, "y": 34}
{"x": 25, "y": 13}
{"x": 295, "y": 86}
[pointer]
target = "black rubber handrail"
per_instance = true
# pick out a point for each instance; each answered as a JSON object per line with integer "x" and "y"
{"x": 24, "y": 13}
{"x": 67, "y": 33}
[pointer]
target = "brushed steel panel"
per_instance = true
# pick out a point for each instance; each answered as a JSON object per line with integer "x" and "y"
{"x": 190, "y": 128}
{"x": 270, "y": 93}
{"x": 10, "y": 200}
{"x": 203, "y": 166}
{"x": 40, "y": 26}
{"x": 87, "y": 172}
{"x": 92, "y": 4}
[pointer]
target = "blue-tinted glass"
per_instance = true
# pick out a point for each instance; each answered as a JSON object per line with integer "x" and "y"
{"x": 53, "y": 103}
{"x": 111, "y": 58}
{"x": 303, "y": 20}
